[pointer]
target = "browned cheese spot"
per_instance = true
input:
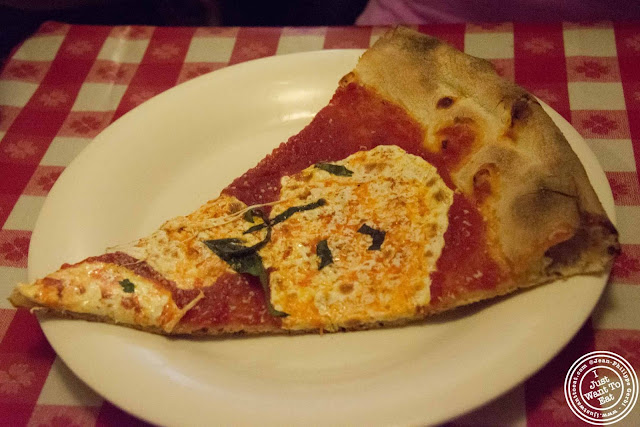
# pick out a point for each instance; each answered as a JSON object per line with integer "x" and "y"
{"x": 304, "y": 176}
{"x": 235, "y": 207}
{"x": 55, "y": 283}
{"x": 346, "y": 288}
{"x": 131, "y": 302}
{"x": 371, "y": 167}
{"x": 440, "y": 196}
{"x": 445, "y": 102}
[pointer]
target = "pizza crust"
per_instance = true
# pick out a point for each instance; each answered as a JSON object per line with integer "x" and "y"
{"x": 542, "y": 207}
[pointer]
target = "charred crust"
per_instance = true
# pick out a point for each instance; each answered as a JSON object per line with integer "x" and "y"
{"x": 462, "y": 120}
{"x": 608, "y": 225}
{"x": 483, "y": 180}
{"x": 348, "y": 78}
{"x": 520, "y": 110}
{"x": 613, "y": 250}
{"x": 421, "y": 44}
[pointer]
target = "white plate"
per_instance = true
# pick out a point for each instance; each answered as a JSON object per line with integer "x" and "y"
{"x": 181, "y": 148}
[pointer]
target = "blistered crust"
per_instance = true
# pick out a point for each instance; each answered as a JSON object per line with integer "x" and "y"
{"x": 544, "y": 217}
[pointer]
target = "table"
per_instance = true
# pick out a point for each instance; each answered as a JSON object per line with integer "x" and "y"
{"x": 66, "y": 83}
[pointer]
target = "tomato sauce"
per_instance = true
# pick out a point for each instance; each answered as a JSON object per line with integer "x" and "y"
{"x": 181, "y": 297}
{"x": 354, "y": 120}
{"x": 465, "y": 263}
{"x": 234, "y": 300}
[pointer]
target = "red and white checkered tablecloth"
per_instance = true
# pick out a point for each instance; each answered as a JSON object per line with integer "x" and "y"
{"x": 66, "y": 83}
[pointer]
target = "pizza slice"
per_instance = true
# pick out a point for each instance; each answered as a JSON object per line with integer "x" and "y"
{"x": 428, "y": 182}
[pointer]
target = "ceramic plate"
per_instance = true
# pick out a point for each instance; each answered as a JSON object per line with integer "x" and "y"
{"x": 178, "y": 150}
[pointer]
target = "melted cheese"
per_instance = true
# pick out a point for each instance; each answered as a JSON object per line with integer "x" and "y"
{"x": 177, "y": 250}
{"x": 94, "y": 288}
{"x": 389, "y": 190}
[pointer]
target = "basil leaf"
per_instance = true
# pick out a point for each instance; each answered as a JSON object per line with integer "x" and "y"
{"x": 233, "y": 247}
{"x": 334, "y": 169}
{"x": 224, "y": 247}
{"x": 323, "y": 251}
{"x": 255, "y": 228}
{"x": 127, "y": 286}
{"x": 245, "y": 260}
{"x": 377, "y": 236}
{"x": 295, "y": 209}
{"x": 247, "y": 264}
{"x": 248, "y": 216}
{"x": 287, "y": 214}
{"x": 252, "y": 264}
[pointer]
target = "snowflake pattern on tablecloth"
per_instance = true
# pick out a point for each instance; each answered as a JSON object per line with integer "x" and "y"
{"x": 198, "y": 71}
{"x": 112, "y": 72}
{"x": 17, "y": 377}
{"x": 599, "y": 124}
{"x": 46, "y": 181}
{"x": 633, "y": 42}
{"x": 79, "y": 47}
{"x": 140, "y": 97}
{"x": 629, "y": 348}
{"x": 86, "y": 124}
{"x": 63, "y": 415}
{"x": 132, "y": 32}
{"x": 618, "y": 188}
{"x": 625, "y": 343}
{"x": 20, "y": 150}
{"x": 54, "y": 98}
{"x": 166, "y": 51}
{"x": 216, "y": 31}
{"x": 592, "y": 69}
{"x": 15, "y": 250}
{"x": 625, "y": 265}
{"x": 546, "y": 95}
{"x": 538, "y": 45}
{"x": 556, "y": 408}
{"x": 23, "y": 70}
{"x": 254, "y": 50}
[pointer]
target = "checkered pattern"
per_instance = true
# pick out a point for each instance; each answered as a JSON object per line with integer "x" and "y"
{"x": 66, "y": 83}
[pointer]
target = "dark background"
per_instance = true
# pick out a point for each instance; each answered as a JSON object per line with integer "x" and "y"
{"x": 18, "y": 19}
